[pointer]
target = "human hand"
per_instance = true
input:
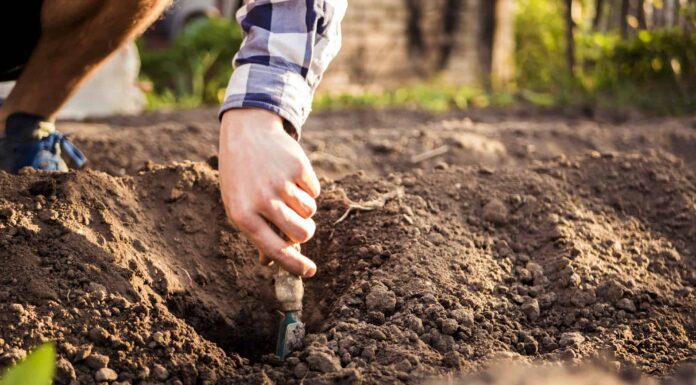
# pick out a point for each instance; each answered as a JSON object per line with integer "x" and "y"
{"x": 265, "y": 177}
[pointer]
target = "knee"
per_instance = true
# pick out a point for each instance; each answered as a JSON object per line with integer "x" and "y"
{"x": 57, "y": 14}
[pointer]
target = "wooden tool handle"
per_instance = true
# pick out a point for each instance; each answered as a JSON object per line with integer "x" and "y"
{"x": 288, "y": 288}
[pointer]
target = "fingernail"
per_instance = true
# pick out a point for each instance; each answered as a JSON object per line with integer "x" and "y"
{"x": 310, "y": 271}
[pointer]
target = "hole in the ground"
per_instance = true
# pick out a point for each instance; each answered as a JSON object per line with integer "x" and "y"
{"x": 249, "y": 331}
{"x": 248, "y": 326}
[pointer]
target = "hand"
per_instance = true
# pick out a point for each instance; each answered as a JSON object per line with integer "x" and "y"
{"x": 265, "y": 177}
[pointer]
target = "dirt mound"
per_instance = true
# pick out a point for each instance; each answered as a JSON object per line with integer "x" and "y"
{"x": 378, "y": 142}
{"x": 141, "y": 280}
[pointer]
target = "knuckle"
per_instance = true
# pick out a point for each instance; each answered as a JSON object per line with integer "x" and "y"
{"x": 298, "y": 167}
{"x": 305, "y": 232}
{"x": 285, "y": 190}
{"x": 241, "y": 217}
{"x": 272, "y": 252}
{"x": 311, "y": 207}
{"x": 264, "y": 202}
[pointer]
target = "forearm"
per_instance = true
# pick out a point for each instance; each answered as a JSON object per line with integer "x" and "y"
{"x": 287, "y": 47}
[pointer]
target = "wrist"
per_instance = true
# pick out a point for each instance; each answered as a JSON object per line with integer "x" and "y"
{"x": 239, "y": 120}
{"x": 251, "y": 118}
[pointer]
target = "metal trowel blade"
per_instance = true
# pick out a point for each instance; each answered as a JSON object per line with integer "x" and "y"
{"x": 291, "y": 335}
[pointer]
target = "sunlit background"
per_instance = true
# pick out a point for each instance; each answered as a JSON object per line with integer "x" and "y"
{"x": 435, "y": 54}
{"x": 443, "y": 54}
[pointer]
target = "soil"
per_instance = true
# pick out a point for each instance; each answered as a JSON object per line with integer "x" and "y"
{"x": 542, "y": 238}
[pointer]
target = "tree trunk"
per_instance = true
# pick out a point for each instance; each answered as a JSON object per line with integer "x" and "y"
{"x": 642, "y": 24}
{"x": 487, "y": 32}
{"x": 599, "y": 9}
{"x": 450, "y": 26}
{"x": 414, "y": 33}
{"x": 570, "y": 40}
{"x": 669, "y": 9}
{"x": 623, "y": 20}
{"x": 503, "y": 50}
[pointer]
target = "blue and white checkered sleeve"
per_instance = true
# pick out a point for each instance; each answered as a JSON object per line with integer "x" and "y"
{"x": 287, "y": 46}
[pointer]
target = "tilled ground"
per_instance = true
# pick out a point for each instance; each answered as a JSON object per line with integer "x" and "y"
{"x": 534, "y": 240}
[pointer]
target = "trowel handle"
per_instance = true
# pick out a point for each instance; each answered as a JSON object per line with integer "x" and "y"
{"x": 288, "y": 288}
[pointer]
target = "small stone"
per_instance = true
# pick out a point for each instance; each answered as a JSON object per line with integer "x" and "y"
{"x": 160, "y": 339}
{"x": 68, "y": 348}
{"x": 403, "y": 365}
{"x": 448, "y": 326}
{"x": 381, "y": 299}
{"x": 323, "y": 362}
{"x": 530, "y": 346}
{"x": 571, "y": 339}
{"x": 414, "y": 323}
{"x": 531, "y": 309}
{"x": 106, "y": 374}
{"x": 464, "y": 316}
{"x": 376, "y": 317}
{"x": 611, "y": 291}
{"x": 48, "y": 216}
{"x": 368, "y": 353}
{"x": 483, "y": 170}
{"x": 300, "y": 370}
{"x": 160, "y": 372}
{"x": 627, "y": 305}
{"x": 174, "y": 195}
{"x": 65, "y": 372}
{"x": 525, "y": 276}
{"x": 139, "y": 246}
{"x": 83, "y": 352}
{"x": 143, "y": 373}
{"x": 378, "y": 335}
{"x": 574, "y": 280}
{"x": 453, "y": 360}
{"x": 98, "y": 334}
{"x": 16, "y": 308}
{"x": 441, "y": 165}
{"x": 97, "y": 361}
{"x": 496, "y": 212}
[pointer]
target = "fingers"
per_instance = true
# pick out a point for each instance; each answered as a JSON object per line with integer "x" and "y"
{"x": 298, "y": 200}
{"x": 307, "y": 179}
{"x": 272, "y": 247}
{"x": 295, "y": 227}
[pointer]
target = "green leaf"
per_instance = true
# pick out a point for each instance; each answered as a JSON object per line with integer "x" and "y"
{"x": 36, "y": 369}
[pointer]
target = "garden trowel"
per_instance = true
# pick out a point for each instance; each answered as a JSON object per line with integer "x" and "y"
{"x": 289, "y": 292}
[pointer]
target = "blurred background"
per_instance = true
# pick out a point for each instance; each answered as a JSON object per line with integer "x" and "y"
{"x": 437, "y": 55}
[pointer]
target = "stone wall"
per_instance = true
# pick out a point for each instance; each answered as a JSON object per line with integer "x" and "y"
{"x": 391, "y": 42}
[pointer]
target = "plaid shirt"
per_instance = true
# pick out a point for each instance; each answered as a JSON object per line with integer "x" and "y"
{"x": 287, "y": 46}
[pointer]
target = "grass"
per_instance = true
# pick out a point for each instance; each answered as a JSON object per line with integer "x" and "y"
{"x": 437, "y": 97}
{"x": 431, "y": 97}
{"x": 661, "y": 101}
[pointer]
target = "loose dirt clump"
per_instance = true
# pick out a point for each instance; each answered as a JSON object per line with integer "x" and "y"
{"x": 140, "y": 279}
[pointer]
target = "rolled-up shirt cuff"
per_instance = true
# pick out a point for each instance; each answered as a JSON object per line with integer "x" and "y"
{"x": 274, "y": 89}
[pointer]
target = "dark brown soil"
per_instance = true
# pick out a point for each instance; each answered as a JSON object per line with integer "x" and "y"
{"x": 537, "y": 240}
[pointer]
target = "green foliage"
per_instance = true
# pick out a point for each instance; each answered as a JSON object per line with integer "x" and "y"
{"x": 195, "y": 68}
{"x": 433, "y": 97}
{"x": 37, "y": 369}
{"x": 657, "y": 56}
{"x": 653, "y": 70}
{"x": 540, "y": 46}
